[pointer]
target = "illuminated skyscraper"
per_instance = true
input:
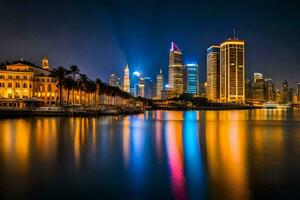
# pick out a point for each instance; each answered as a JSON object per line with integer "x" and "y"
{"x": 134, "y": 84}
{"x": 213, "y": 73}
{"x": 114, "y": 81}
{"x": 149, "y": 88}
{"x": 159, "y": 84}
{"x": 232, "y": 71}
{"x": 285, "y": 92}
{"x": 126, "y": 85}
{"x": 269, "y": 90}
{"x": 258, "y": 87}
{"x": 175, "y": 71}
{"x": 191, "y": 79}
{"x": 141, "y": 90}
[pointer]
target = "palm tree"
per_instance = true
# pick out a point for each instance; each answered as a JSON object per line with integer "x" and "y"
{"x": 68, "y": 85}
{"x": 91, "y": 89}
{"x": 82, "y": 83}
{"x": 60, "y": 74}
{"x": 74, "y": 70}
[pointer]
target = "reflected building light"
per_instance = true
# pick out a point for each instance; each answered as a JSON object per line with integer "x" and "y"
{"x": 126, "y": 139}
{"x": 192, "y": 154}
{"x": 175, "y": 159}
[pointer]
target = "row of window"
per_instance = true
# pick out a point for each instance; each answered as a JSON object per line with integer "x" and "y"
{"x": 43, "y": 80}
{"x": 17, "y": 85}
{"x": 15, "y": 77}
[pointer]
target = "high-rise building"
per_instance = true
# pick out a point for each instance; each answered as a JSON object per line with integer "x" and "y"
{"x": 191, "y": 79}
{"x": 159, "y": 84}
{"x": 257, "y": 76}
{"x": 248, "y": 90}
{"x": 149, "y": 88}
{"x": 291, "y": 95}
{"x": 141, "y": 89}
{"x": 134, "y": 84}
{"x": 285, "y": 92}
{"x": 269, "y": 90}
{"x": 232, "y": 71}
{"x": 114, "y": 81}
{"x": 203, "y": 89}
{"x": 258, "y": 87}
{"x": 278, "y": 96}
{"x": 126, "y": 85}
{"x": 213, "y": 73}
{"x": 175, "y": 70}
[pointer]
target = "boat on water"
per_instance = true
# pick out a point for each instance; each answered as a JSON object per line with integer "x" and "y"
{"x": 50, "y": 110}
{"x": 272, "y": 105}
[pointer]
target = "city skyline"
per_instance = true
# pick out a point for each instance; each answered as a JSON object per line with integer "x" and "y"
{"x": 93, "y": 39}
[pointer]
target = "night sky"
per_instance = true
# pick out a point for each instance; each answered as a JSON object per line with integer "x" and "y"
{"x": 101, "y": 37}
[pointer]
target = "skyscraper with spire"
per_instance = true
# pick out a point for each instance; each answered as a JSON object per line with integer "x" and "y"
{"x": 126, "y": 85}
{"x": 176, "y": 70}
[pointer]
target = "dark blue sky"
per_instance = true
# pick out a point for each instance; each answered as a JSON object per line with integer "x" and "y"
{"x": 102, "y": 36}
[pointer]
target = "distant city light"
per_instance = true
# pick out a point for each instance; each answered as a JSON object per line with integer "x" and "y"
{"x": 191, "y": 64}
{"x": 167, "y": 86}
{"x": 136, "y": 73}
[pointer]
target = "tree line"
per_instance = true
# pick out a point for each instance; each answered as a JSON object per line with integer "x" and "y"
{"x": 72, "y": 80}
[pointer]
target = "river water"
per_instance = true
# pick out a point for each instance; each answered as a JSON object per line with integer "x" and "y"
{"x": 247, "y": 154}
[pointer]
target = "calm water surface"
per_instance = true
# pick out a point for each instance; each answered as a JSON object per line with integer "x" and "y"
{"x": 156, "y": 155}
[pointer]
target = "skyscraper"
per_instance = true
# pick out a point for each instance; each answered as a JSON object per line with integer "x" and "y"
{"x": 134, "y": 84}
{"x": 248, "y": 90}
{"x": 258, "y": 87}
{"x": 114, "y": 81}
{"x": 213, "y": 73}
{"x": 141, "y": 90}
{"x": 175, "y": 71}
{"x": 149, "y": 88}
{"x": 269, "y": 90}
{"x": 257, "y": 76}
{"x": 126, "y": 85}
{"x": 285, "y": 92}
{"x": 159, "y": 84}
{"x": 232, "y": 71}
{"x": 191, "y": 79}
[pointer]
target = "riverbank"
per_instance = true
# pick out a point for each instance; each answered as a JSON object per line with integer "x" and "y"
{"x": 26, "y": 112}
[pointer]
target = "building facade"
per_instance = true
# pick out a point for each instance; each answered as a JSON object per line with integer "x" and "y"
{"x": 191, "y": 79}
{"x": 269, "y": 90}
{"x": 213, "y": 73}
{"x": 126, "y": 81}
{"x": 258, "y": 87}
{"x": 232, "y": 71}
{"x": 159, "y": 84}
{"x": 114, "y": 81}
{"x": 149, "y": 91}
{"x": 285, "y": 92}
{"x": 23, "y": 81}
{"x": 176, "y": 71}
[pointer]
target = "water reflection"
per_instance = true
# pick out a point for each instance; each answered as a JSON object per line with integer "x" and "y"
{"x": 161, "y": 154}
{"x": 175, "y": 154}
{"x": 226, "y": 155}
